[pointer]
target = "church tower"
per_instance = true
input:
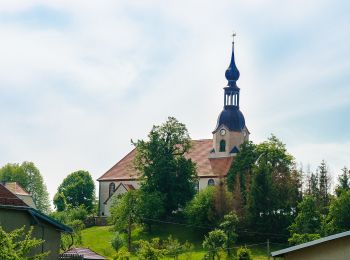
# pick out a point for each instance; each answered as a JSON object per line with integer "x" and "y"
{"x": 230, "y": 131}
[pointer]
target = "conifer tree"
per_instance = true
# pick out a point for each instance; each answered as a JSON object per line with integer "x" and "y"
{"x": 344, "y": 181}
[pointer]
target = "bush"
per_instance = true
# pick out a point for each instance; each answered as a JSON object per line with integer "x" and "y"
{"x": 297, "y": 239}
{"x": 150, "y": 250}
{"x": 117, "y": 241}
{"x": 244, "y": 253}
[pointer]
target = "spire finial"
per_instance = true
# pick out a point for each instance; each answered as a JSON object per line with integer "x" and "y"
{"x": 233, "y": 37}
{"x": 232, "y": 73}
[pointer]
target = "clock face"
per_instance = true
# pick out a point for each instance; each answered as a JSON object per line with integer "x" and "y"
{"x": 222, "y": 131}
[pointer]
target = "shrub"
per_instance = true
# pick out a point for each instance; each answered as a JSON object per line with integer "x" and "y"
{"x": 117, "y": 241}
{"x": 244, "y": 253}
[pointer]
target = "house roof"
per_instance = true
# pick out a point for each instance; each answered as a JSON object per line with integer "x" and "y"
{"x": 199, "y": 153}
{"x": 16, "y": 188}
{"x": 9, "y": 200}
{"x": 86, "y": 253}
{"x": 309, "y": 244}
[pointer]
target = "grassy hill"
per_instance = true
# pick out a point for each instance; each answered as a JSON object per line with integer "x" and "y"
{"x": 98, "y": 239}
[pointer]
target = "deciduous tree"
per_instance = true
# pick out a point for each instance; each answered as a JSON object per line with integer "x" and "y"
{"x": 163, "y": 165}
{"x": 77, "y": 189}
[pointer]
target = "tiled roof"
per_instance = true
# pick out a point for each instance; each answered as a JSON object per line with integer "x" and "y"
{"x": 199, "y": 153}
{"x": 16, "y": 188}
{"x": 86, "y": 253}
{"x": 7, "y": 198}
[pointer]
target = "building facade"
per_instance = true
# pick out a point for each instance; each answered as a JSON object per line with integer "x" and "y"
{"x": 213, "y": 157}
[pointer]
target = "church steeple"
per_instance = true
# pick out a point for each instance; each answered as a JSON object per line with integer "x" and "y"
{"x": 230, "y": 131}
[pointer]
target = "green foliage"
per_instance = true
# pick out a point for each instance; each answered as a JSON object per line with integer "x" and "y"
{"x": 244, "y": 253}
{"x": 150, "y": 250}
{"x": 229, "y": 226}
{"x": 308, "y": 220}
{"x": 125, "y": 213}
{"x": 74, "y": 218}
{"x": 29, "y": 177}
{"x": 173, "y": 247}
{"x": 339, "y": 214}
{"x": 163, "y": 165}
{"x": 344, "y": 182}
{"x": 77, "y": 189}
{"x": 200, "y": 211}
{"x": 122, "y": 254}
{"x": 275, "y": 188}
{"x": 150, "y": 206}
{"x": 297, "y": 239}
{"x": 214, "y": 242}
{"x": 324, "y": 187}
{"x": 243, "y": 167}
{"x": 19, "y": 244}
{"x": 117, "y": 241}
{"x": 60, "y": 201}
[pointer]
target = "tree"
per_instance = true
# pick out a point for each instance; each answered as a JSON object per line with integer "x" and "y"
{"x": 77, "y": 189}
{"x": 214, "y": 242}
{"x": 29, "y": 177}
{"x": 229, "y": 227}
{"x": 307, "y": 224}
{"x": 275, "y": 189}
{"x": 18, "y": 244}
{"x": 200, "y": 211}
{"x": 344, "y": 182}
{"x": 324, "y": 180}
{"x": 124, "y": 213}
{"x": 339, "y": 214}
{"x": 165, "y": 169}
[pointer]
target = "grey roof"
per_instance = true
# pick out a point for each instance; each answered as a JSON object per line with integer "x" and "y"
{"x": 311, "y": 243}
{"x": 39, "y": 216}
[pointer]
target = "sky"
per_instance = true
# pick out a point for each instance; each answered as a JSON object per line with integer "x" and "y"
{"x": 80, "y": 79}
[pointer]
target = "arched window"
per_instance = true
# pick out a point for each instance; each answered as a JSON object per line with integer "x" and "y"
{"x": 111, "y": 188}
{"x": 211, "y": 182}
{"x": 222, "y": 146}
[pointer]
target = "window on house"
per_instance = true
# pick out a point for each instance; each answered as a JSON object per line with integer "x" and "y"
{"x": 211, "y": 182}
{"x": 111, "y": 188}
{"x": 222, "y": 146}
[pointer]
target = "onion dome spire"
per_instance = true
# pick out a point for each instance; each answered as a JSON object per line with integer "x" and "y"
{"x": 232, "y": 73}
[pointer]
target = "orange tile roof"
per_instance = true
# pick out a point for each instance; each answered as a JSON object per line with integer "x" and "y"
{"x": 199, "y": 153}
{"x": 7, "y": 198}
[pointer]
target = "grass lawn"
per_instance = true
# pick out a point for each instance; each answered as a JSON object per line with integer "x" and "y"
{"x": 98, "y": 239}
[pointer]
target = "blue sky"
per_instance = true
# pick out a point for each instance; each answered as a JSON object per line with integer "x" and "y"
{"x": 79, "y": 79}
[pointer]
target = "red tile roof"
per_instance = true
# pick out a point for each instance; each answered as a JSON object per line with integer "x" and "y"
{"x": 199, "y": 153}
{"x": 7, "y": 198}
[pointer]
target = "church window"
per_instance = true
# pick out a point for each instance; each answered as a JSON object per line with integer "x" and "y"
{"x": 222, "y": 146}
{"x": 111, "y": 188}
{"x": 211, "y": 182}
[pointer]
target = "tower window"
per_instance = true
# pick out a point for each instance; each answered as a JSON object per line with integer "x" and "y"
{"x": 111, "y": 188}
{"x": 222, "y": 146}
{"x": 211, "y": 182}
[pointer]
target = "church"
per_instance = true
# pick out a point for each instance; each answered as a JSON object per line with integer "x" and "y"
{"x": 213, "y": 157}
